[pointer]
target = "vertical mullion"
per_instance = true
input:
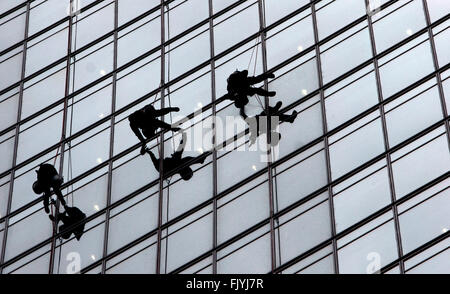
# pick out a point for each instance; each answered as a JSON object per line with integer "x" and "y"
{"x": 111, "y": 138}
{"x": 214, "y": 151}
{"x": 386, "y": 140}
{"x": 262, "y": 36}
{"x": 63, "y": 131}
{"x": 16, "y": 138}
{"x": 325, "y": 130}
{"x": 161, "y": 139}
{"x": 436, "y": 67}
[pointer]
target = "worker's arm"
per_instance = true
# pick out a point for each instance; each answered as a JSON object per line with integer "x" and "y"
{"x": 164, "y": 111}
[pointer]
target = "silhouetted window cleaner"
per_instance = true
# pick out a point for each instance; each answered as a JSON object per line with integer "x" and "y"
{"x": 239, "y": 87}
{"x": 70, "y": 217}
{"x": 146, "y": 120}
{"x": 48, "y": 178}
{"x": 256, "y": 129}
{"x": 176, "y": 160}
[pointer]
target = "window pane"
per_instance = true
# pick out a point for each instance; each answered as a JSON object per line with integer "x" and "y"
{"x": 350, "y": 97}
{"x": 292, "y": 39}
{"x": 407, "y": 68}
{"x": 369, "y": 248}
{"x": 433, "y": 160}
{"x": 424, "y": 217}
{"x": 229, "y": 30}
{"x": 361, "y": 195}
{"x": 311, "y": 219}
{"x": 395, "y": 23}
{"x": 311, "y": 165}
{"x": 355, "y": 145}
{"x": 333, "y": 15}
{"x": 347, "y": 54}
{"x": 411, "y": 113}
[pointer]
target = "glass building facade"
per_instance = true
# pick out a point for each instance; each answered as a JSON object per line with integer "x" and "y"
{"x": 358, "y": 184}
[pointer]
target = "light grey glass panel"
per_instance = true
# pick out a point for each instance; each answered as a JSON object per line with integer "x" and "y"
{"x": 351, "y": 100}
{"x": 361, "y": 199}
{"x": 323, "y": 266}
{"x": 92, "y": 24}
{"x": 425, "y": 221}
{"x": 12, "y": 29}
{"x": 319, "y": 262}
{"x": 438, "y": 264}
{"x": 333, "y": 15}
{"x": 191, "y": 97}
{"x": 406, "y": 69}
{"x": 28, "y": 232}
{"x": 89, "y": 107}
{"x": 290, "y": 41}
{"x": 125, "y": 179}
{"x": 398, "y": 25}
{"x": 85, "y": 155}
{"x": 8, "y": 111}
{"x": 237, "y": 212}
{"x": 369, "y": 252}
{"x": 46, "y": 49}
{"x": 11, "y": 64}
{"x": 140, "y": 213}
{"x": 296, "y": 83}
{"x": 131, "y": 9}
{"x": 195, "y": 235}
{"x": 413, "y": 116}
{"x": 236, "y": 28}
{"x": 36, "y": 265}
{"x": 357, "y": 147}
{"x": 7, "y": 5}
{"x": 310, "y": 175}
{"x": 31, "y": 140}
{"x": 139, "y": 38}
{"x": 253, "y": 257}
{"x": 421, "y": 166}
{"x": 4, "y": 193}
{"x": 221, "y": 4}
{"x": 196, "y": 48}
{"x": 185, "y": 14}
{"x": 6, "y": 151}
{"x": 143, "y": 261}
{"x": 45, "y": 13}
{"x": 304, "y": 228}
{"x": 306, "y": 127}
{"x": 438, "y": 9}
{"x": 246, "y": 162}
{"x": 93, "y": 66}
{"x": 275, "y": 10}
{"x": 441, "y": 41}
{"x": 46, "y": 89}
{"x": 139, "y": 81}
{"x": 90, "y": 198}
{"x": 346, "y": 55}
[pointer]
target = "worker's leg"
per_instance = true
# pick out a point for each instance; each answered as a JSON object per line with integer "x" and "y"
{"x": 261, "y": 92}
{"x": 154, "y": 159}
{"x": 46, "y": 198}
{"x": 260, "y": 78}
{"x": 165, "y": 126}
{"x": 288, "y": 118}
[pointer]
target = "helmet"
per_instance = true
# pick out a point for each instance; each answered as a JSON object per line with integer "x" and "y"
{"x": 37, "y": 188}
{"x": 186, "y": 173}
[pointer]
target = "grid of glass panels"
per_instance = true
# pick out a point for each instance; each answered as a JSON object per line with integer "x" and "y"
{"x": 360, "y": 183}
